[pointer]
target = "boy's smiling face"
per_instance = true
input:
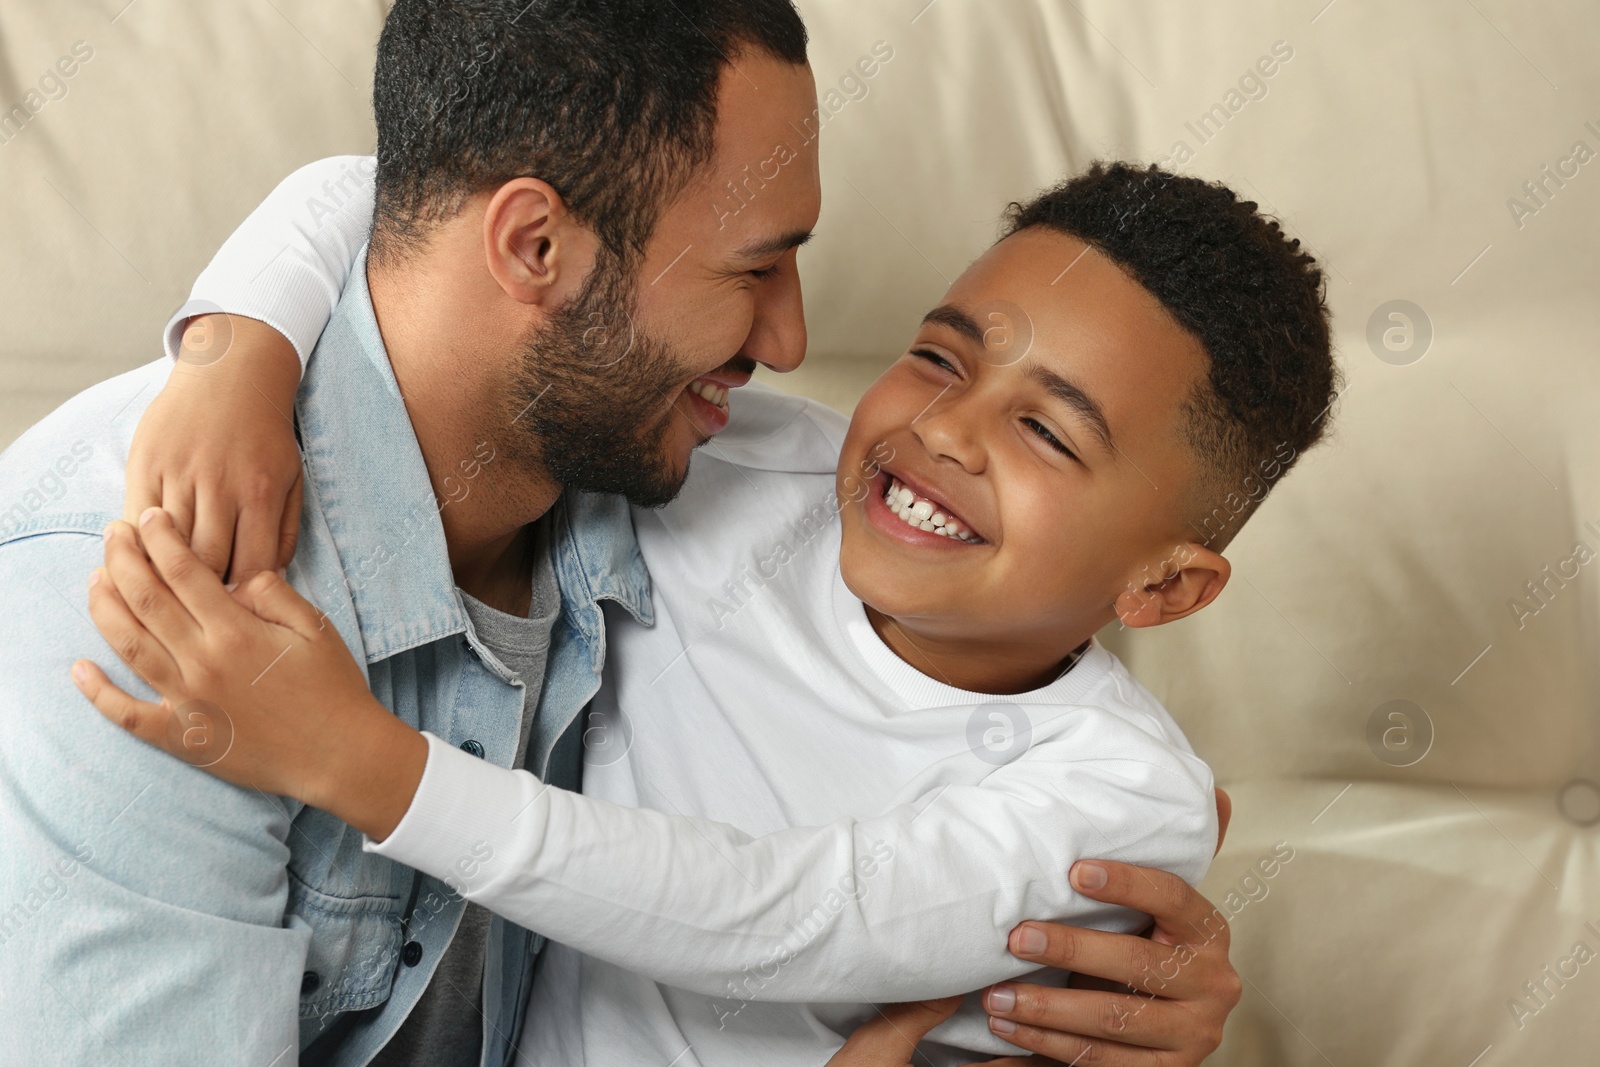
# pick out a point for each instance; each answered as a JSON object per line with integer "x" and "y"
{"x": 1040, "y": 412}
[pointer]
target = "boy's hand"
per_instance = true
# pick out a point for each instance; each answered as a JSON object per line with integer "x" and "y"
{"x": 258, "y": 688}
{"x": 216, "y": 447}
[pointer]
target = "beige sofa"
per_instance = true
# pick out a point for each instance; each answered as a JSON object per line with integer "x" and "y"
{"x": 1445, "y": 862}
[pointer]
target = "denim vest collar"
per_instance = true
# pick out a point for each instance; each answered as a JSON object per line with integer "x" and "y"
{"x": 365, "y": 467}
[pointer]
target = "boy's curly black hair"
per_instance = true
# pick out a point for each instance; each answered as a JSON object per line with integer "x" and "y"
{"x": 1246, "y": 290}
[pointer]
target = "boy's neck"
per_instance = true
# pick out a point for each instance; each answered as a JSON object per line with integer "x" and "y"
{"x": 996, "y": 667}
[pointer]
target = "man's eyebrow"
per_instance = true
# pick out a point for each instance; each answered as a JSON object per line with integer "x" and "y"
{"x": 952, "y": 317}
{"x": 1075, "y": 398}
{"x": 763, "y": 247}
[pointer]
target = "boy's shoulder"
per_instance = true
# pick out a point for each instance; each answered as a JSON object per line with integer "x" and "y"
{"x": 1140, "y": 706}
{"x": 775, "y": 431}
{"x": 1099, "y": 694}
{"x": 761, "y": 488}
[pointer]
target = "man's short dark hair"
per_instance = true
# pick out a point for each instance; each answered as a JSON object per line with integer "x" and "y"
{"x": 613, "y": 102}
{"x": 1244, "y": 289}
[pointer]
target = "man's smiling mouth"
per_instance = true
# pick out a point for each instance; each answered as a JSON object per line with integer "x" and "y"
{"x": 709, "y": 391}
{"x": 926, "y": 514}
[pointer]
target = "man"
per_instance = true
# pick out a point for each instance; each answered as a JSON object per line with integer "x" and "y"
{"x": 546, "y": 299}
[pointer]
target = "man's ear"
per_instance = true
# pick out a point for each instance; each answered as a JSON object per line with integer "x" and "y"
{"x": 1184, "y": 582}
{"x": 536, "y": 251}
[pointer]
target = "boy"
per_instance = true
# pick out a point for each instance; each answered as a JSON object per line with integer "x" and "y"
{"x": 892, "y": 731}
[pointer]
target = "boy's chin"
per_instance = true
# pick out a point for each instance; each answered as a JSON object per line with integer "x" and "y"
{"x": 885, "y": 586}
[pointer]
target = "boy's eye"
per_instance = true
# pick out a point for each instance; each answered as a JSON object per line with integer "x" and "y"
{"x": 933, "y": 357}
{"x": 1049, "y": 438}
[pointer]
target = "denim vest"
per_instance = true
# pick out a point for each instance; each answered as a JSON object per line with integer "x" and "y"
{"x": 198, "y": 920}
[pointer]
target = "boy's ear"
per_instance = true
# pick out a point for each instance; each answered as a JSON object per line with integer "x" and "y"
{"x": 1186, "y": 581}
{"x": 536, "y": 251}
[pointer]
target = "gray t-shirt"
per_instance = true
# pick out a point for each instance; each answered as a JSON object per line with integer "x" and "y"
{"x": 445, "y": 1029}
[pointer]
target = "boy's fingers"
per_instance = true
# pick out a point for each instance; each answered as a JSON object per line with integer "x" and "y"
{"x": 212, "y": 536}
{"x": 289, "y": 525}
{"x": 133, "y": 644}
{"x": 195, "y": 584}
{"x": 177, "y": 501}
{"x": 276, "y": 601}
{"x": 144, "y": 491}
{"x": 255, "y": 539}
{"x": 144, "y": 720}
{"x": 146, "y": 595}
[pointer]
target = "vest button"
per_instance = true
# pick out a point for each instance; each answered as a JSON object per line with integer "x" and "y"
{"x": 472, "y": 748}
{"x": 411, "y": 955}
{"x": 309, "y": 983}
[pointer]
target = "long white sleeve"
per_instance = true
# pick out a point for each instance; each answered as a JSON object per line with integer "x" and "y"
{"x": 287, "y": 263}
{"x": 911, "y": 904}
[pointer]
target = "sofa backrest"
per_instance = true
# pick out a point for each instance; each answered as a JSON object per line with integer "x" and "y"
{"x": 1428, "y": 152}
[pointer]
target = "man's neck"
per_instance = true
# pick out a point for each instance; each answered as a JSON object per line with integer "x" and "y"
{"x": 435, "y": 314}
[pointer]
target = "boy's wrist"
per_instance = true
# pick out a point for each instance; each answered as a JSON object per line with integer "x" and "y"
{"x": 371, "y": 769}
{"x": 236, "y": 352}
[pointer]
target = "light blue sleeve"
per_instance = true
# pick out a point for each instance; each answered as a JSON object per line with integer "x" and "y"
{"x": 142, "y": 901}
{"x": 287, "y": 262}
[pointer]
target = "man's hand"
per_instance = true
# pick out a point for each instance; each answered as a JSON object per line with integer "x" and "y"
{"x": 1158, "y": 1000}
{"x": 216, "y": 447}
{"x": 1177, "y": 985}
{"x": 258, "y": 688}
{"x": 889, "y": 1038}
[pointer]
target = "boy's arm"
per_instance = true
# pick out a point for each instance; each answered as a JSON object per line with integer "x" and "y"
{"x": 913, "y": 903}
{"x": 216, "y": 447}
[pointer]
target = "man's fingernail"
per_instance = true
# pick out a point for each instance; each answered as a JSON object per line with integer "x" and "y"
{"x": 80, "y": 671}
{"x": 94, "y": 577}
{"x": 110, "y": 531}
{"x": 231, "y": 586}
{"x": 1031, "y": 941}
{"x": 1002, "y": 1026}
{"x": 1002, "y": 998}
{"x": 283, "y": 572}
{"x": 1089, "y": 876}
{"x": 147, "y": 514}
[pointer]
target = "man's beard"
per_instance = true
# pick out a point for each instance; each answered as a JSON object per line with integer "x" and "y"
{"x": 586, "y": 399}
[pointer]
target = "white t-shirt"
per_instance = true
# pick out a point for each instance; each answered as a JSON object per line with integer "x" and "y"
{"x": 781, "y": 821}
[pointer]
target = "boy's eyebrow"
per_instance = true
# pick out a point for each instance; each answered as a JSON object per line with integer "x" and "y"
{"x": 762, "y": 247}
{"x": 1075, "y": 398}
{"x": 954, "y": 318}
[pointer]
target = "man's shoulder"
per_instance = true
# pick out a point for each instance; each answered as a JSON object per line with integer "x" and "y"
{"x": 66, "y": 473}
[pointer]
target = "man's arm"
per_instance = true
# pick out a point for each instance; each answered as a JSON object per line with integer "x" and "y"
{"x": 141, "y": 900}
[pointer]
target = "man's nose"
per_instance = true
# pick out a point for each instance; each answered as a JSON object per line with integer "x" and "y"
{"x": 778, "y": 333}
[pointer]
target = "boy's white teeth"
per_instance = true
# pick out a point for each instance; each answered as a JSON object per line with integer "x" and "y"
{"x": 924, "y": 514}
{"x": 710, "y": 392}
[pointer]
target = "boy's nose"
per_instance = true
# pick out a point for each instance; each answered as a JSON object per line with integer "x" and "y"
{"x": 947, "y": 431}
